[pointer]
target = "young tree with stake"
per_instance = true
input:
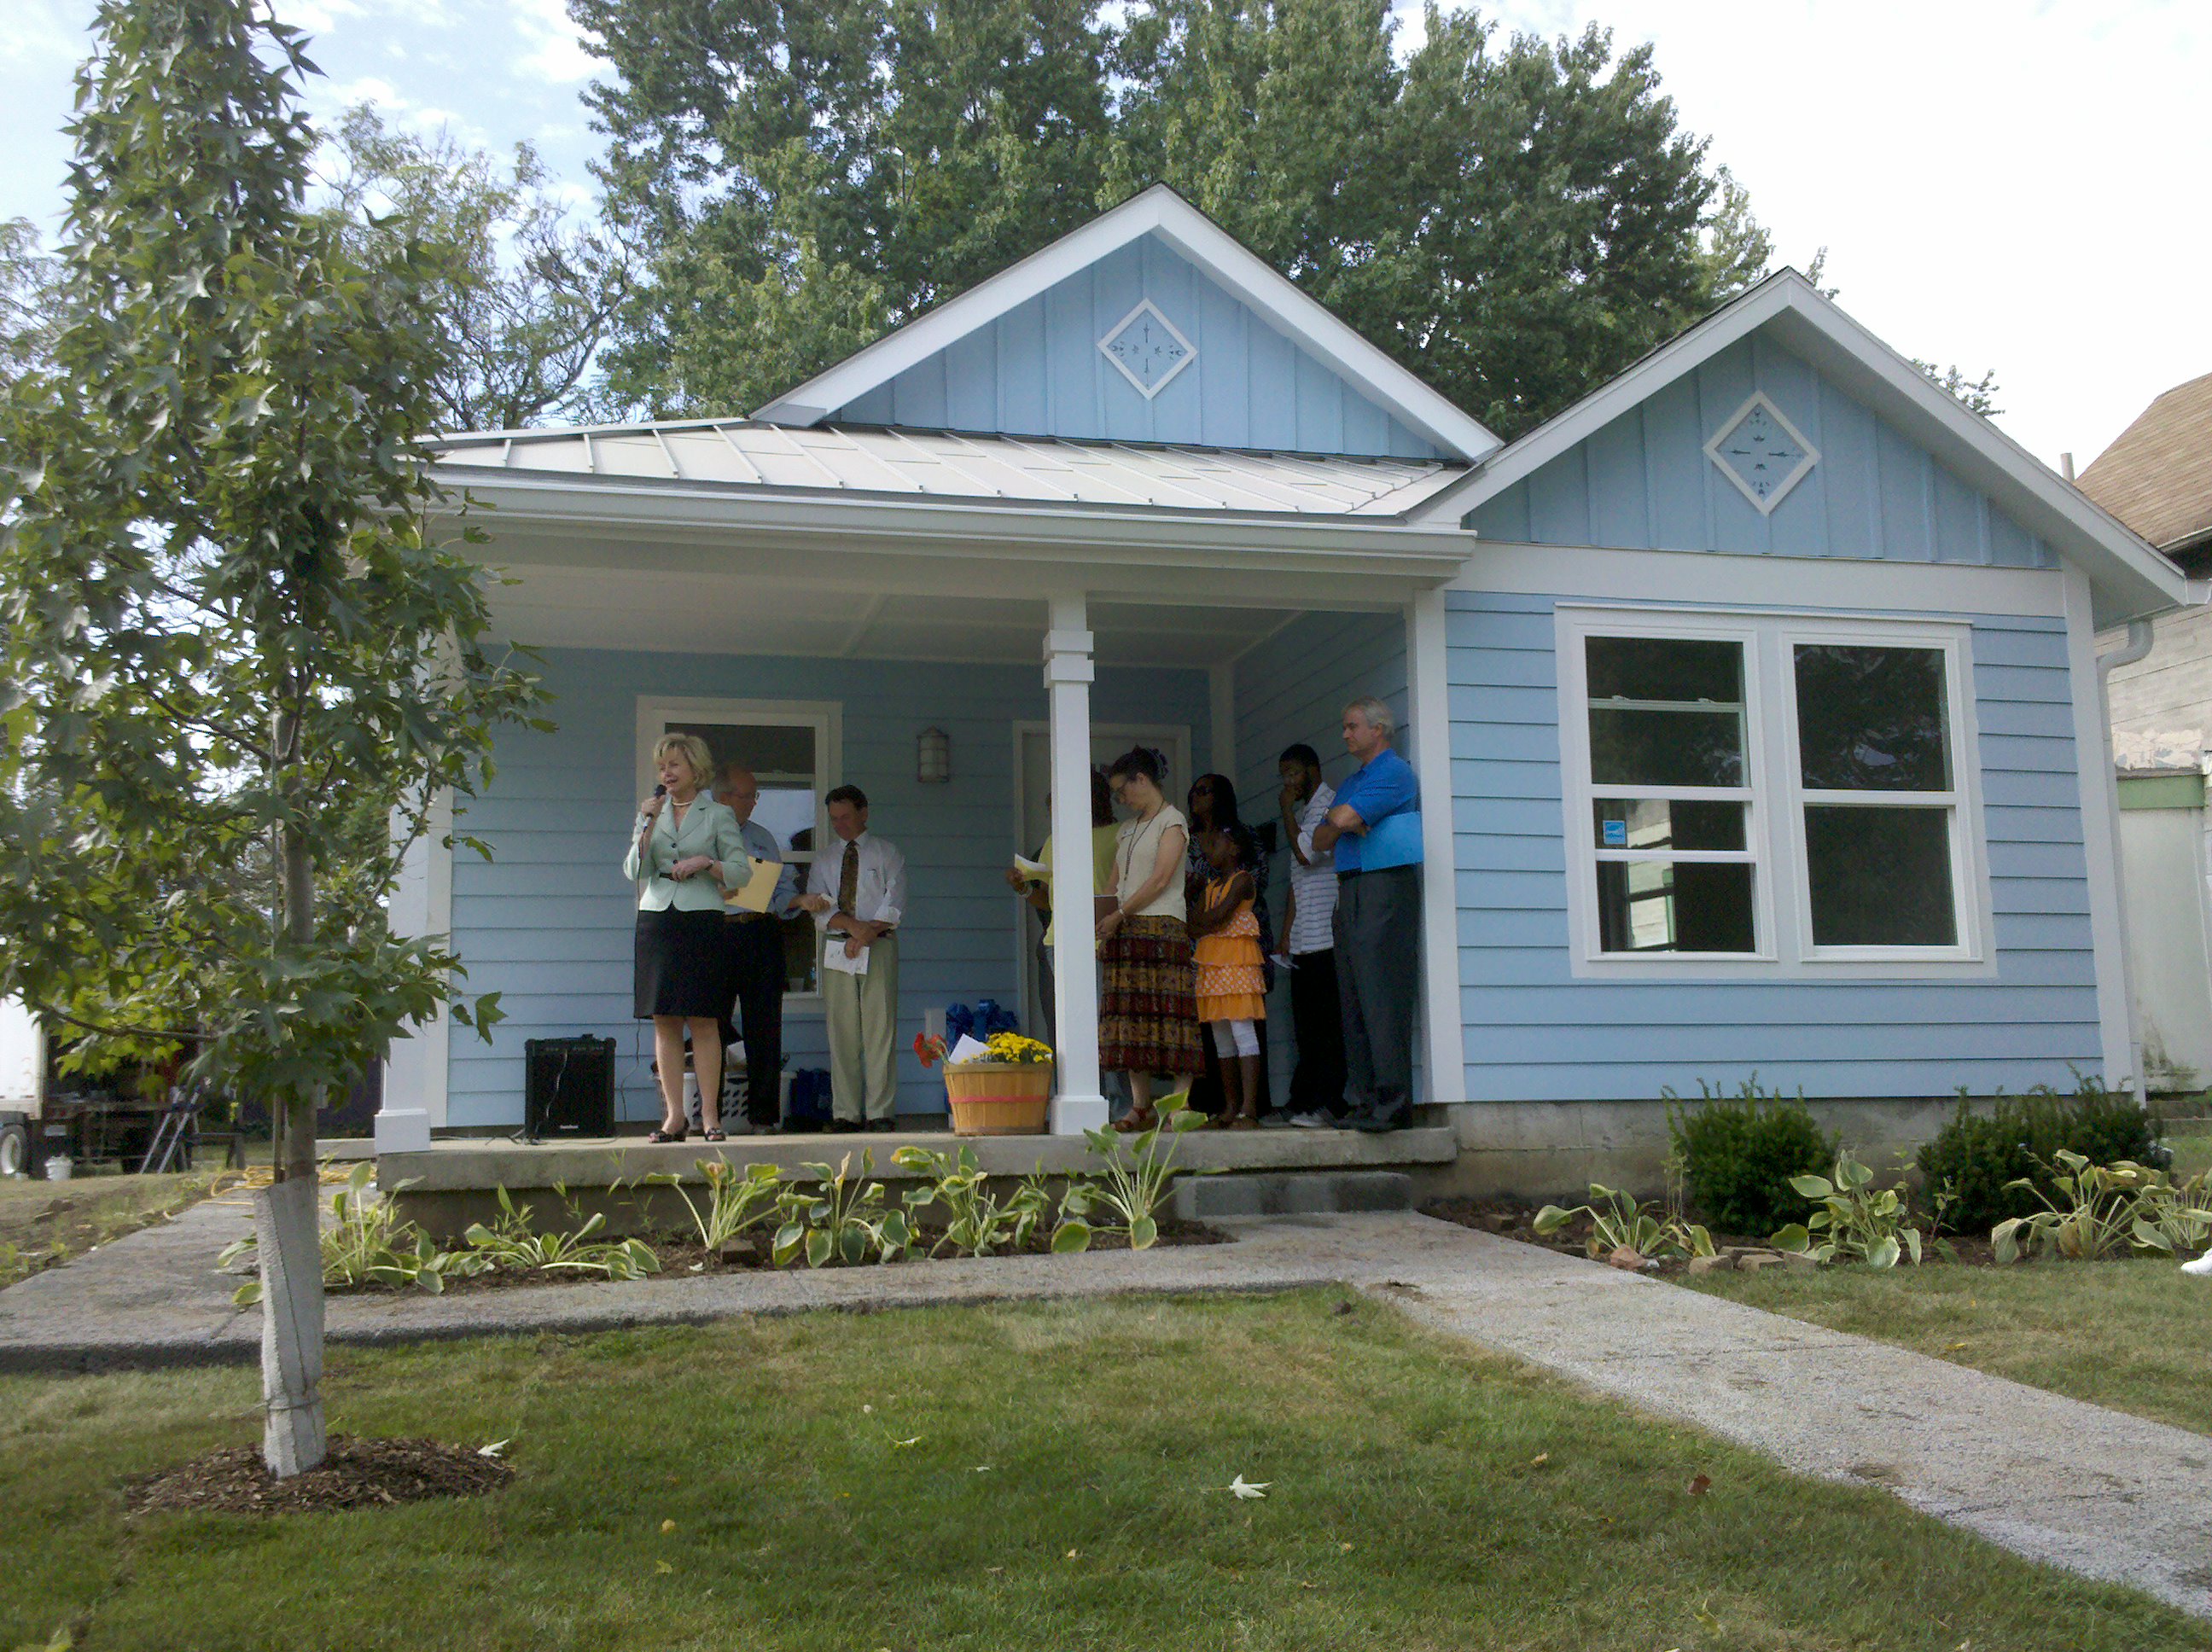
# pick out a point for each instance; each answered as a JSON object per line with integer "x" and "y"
{"x": 226, "y": 637}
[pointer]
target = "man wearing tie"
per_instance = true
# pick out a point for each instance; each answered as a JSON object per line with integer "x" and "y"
{"x": 755, "y": 940}
{"x": 856, "y": 894}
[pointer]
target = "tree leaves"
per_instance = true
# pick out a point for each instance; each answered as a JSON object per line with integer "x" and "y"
{"x": 1514, "y": 220}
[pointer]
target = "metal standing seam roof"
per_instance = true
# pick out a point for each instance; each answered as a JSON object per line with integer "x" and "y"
{"x": 745, "y": 454}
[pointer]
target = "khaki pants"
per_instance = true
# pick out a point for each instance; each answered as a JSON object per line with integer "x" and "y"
{"x": 862, "y": 1012}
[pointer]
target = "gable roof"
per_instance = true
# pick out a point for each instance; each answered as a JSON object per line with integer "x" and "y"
{"x": 1245, "y": 275}
{"x": 2132, "y": 579}
{"x": 2157, "y": 475}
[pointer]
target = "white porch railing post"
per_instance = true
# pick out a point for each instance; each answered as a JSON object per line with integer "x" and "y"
{"x": 1444, "y": 1046}
{"x": 415, "y": 1068}
{"x": 1067, "y": 676}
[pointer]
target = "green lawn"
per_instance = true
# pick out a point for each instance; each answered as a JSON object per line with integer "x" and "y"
{"x": 43, "y": 1223}
{"x": 2133, "y": 1335}
{"x": 999, "y": 1478}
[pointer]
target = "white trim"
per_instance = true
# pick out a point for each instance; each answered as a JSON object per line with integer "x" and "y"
{"x": 825, "y": 717}
{"x": 1808, "y": 455}
{"x": 1970, "y": 902}
{"x": 1443, "y": 1031}
{"x": 416, "y": 1072}
{"x": 2138, "y": 580}
{"x": 1778, "y": 584}
{"x": 1243, "y": 273}
{"x": 2100, "y": 835}
{"x": 1774, "y": 829}
{"x": 1106, "y": 349}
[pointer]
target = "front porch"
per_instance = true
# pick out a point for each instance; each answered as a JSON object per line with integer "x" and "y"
{"x": 821, "y": 647}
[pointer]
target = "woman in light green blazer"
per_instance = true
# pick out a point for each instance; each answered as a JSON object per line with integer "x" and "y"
{"x": 679, "y": 846}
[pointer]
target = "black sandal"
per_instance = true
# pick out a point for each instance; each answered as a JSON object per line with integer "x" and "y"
{"x": 713, "y": 1135}
{"x": 663, "y": 1136}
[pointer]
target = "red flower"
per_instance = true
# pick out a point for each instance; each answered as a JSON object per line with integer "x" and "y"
{"x": 928, "y": 1049}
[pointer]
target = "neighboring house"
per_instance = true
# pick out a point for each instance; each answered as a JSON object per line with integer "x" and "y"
{"x": 2157, "y": 478}
{"x": 1750, "y": 694}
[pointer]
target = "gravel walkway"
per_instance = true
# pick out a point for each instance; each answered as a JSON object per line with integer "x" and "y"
{"x": 2097, "y": 1491}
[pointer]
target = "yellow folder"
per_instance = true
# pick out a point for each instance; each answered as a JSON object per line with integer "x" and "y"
{"x": 758, "y": 888}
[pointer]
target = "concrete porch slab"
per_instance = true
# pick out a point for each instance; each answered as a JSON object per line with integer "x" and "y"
{"x": 476, "y": 1164}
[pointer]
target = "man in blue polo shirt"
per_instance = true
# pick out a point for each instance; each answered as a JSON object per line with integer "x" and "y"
{"x": 1375, "y": 830}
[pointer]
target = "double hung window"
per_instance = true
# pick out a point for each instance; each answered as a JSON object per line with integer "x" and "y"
{"x": 1769, "y": 795}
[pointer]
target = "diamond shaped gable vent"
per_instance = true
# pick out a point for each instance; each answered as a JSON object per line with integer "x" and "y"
{"x": 1762, "y": 452}
{"x": 1148, "y": 349}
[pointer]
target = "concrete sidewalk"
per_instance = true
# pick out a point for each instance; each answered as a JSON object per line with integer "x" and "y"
{"x": 2098, "y": 1492}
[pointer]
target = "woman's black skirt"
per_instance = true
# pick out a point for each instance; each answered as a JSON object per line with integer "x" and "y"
{"x": 681, "y": 966}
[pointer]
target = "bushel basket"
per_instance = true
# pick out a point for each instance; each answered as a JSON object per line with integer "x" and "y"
{"x": 999, "y": 1098}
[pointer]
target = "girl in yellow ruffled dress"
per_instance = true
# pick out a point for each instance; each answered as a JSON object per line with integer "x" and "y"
{"x": 1232, "y": 988}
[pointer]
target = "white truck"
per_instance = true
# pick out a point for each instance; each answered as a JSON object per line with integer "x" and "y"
{"x": 22, "y": 1084}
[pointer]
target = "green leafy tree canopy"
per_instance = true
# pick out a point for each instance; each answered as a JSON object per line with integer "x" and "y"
{"x": 1514, "y": 219}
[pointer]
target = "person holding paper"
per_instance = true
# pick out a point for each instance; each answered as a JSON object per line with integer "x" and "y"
{"x": 1032, "y": 881}
{"x": 1374, "y": 828}
{"x": 753, "y": 948}
{"x": 683, "y": 847}
{"x": 856, "y": 893}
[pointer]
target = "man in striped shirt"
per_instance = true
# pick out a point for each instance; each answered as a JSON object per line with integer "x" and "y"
{"x": 1308, "y": 940}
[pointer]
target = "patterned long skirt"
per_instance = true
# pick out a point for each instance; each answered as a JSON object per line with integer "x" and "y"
{"x": 1148, "y": 1013}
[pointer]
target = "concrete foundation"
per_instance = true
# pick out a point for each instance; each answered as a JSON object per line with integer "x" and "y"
{"x": 1534, "y": 1151}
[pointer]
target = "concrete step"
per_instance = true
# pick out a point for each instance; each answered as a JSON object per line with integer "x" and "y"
{"x": 1308, "y": 1192}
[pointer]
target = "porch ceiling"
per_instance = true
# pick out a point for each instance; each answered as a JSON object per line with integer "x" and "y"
{"x": 604, "y": 609}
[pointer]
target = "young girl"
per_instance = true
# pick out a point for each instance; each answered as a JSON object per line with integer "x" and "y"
{"x": 1232, "y": 991}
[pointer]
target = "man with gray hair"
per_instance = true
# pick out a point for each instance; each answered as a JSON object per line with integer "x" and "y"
{"x": 1374, "y": 827}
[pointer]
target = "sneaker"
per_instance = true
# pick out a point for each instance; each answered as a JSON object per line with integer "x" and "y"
{"x": 2203, "y": 1265}
{"x": 1310, "y": 1120}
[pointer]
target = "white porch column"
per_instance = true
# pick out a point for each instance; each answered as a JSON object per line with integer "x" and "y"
{"x": 1428, "y": 709}
{"x": 1067, "y": 676}
{"x": 414, "y": 1099}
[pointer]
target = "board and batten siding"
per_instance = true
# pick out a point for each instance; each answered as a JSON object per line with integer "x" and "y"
{"x": 1644, "y": 482}
{"x": 1535, "y": 1032}
{"x": 1038, "y": 371}
{"x": 548, "y": 922}
{"x": 1293, "y": 688}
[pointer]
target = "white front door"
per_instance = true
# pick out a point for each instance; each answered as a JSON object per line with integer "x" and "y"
{"x": 1033, "y": 821}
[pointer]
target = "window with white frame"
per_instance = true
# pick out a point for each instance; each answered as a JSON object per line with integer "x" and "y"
{"x": 1835, "y": 831}
{"x": 791, "y": 747}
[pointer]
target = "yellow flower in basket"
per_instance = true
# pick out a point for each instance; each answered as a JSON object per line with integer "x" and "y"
{"x": 1024, "y": 1051}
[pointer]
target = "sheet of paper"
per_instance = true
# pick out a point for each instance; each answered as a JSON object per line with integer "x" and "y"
{"x": 1036, "y": 871}
{"x": 833, "y": 956}
{"x": 758, "y": 888}
{"x": 969, "y": 1049}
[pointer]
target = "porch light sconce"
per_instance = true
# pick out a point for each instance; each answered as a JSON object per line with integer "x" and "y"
{"x": 932, "y": 757}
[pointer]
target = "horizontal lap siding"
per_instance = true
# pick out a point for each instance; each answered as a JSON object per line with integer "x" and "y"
{"x": 1292, "y": 689}
{"x": 548, "y": 922}
{"x": 1535, "y": 1032}
{"x": 1645, "y": 481}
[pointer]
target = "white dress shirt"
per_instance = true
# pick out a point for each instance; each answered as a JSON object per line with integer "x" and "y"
{"x": 879, "y": 894}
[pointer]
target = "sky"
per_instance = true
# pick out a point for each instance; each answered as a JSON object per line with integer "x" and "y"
{"x": 2016, "y": 184}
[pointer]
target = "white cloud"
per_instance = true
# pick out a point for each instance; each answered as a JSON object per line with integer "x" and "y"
{"x": 557, "y": 50}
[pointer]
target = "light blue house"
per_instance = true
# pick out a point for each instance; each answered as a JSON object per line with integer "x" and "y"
{"x": 1754, "y": 697}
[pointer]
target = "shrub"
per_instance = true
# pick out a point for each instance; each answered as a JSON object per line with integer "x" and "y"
{"x": 1740, "y": 1151}
{"x": 1995, "y": 1167}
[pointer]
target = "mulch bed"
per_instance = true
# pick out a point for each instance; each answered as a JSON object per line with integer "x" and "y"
{"x": 1517, "y": 1222}
{"x": 356, "y": 1474}
{"x": 681, "y": 1258}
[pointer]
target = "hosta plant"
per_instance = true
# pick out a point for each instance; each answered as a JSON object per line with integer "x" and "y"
{"x": 1619, "y": 1219}
{"x": 1136, "y": 1175}
{"x": 367, "y": 1243}
{"x": 842, "y": 1217}
{"x": 2103, "y": 1209}
{"x": 976, "y": 1220}
{"x": 1852, "y": 1220}
{"x": 512, "y": 1244}
{"x": 736, "y": 1199}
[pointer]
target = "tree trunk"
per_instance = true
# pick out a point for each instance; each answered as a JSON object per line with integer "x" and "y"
{"x": 287, "y": 1223}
